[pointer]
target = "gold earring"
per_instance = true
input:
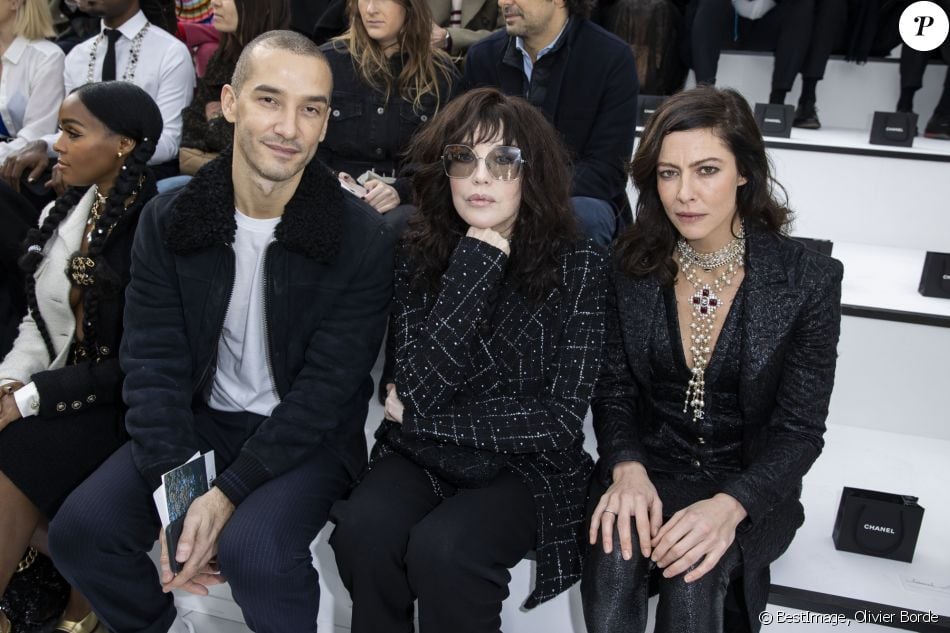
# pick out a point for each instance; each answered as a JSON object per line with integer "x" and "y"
{"x": 119, "y": 155}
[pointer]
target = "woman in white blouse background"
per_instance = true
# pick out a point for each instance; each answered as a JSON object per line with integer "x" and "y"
{"x": 31, "y": 74}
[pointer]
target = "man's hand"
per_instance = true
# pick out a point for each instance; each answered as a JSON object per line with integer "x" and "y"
{"x": 32, "y": 158}
{"x": 699, "y": 535}
{"x": 198, "y": 544}
{"x": 438, "y": 37}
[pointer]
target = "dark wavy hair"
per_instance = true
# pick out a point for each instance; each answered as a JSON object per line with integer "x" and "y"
{"x": 254, "y": 18}
{"x": 653, "y": 28}
{"x": 646, "y": 247}
{"x": 545, "y": 227}
{"x": 129, "y": 111}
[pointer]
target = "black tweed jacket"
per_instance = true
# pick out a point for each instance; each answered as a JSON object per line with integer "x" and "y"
{"x": 789, "y": 337}
{"x": 479, "y": 367}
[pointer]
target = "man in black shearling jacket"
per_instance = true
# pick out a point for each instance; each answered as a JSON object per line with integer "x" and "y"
{"x": 256, "y": 309}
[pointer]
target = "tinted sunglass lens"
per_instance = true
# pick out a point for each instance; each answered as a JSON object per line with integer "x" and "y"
{"x": 504, "y": 163}
{"x": 459, "y": 161}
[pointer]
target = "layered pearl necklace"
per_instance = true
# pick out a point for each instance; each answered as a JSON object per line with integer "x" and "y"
{"x": 129, "y": 73}
{"x": 705, "y": 302}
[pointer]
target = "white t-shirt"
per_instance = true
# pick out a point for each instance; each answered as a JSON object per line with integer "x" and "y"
{"x": 243, "y": 380}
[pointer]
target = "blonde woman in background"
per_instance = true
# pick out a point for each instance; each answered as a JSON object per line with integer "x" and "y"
{"x": 387, "y": 82}
{"x": 31, "y": 74}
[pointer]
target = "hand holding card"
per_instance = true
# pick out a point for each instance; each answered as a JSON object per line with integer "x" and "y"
{"x": 184, "y": 530}
{"x": 348, "y": 183}
{"x": 197, "y": 545}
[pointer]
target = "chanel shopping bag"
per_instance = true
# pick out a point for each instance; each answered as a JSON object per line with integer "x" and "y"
{"x": 877, "y": 524}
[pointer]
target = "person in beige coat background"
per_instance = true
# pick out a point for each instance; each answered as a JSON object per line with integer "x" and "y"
{"x": 478, "y": 19}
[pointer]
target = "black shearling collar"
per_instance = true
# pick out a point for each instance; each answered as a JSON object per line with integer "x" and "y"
{"x": 312, "y": 223}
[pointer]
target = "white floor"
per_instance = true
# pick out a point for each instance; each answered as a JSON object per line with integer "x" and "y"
{"x": 783, "y": 620}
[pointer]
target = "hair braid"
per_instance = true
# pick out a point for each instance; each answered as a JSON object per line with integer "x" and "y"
{"x": 127, "y": 110}
{"x": 131, "y": 181}
{"x": 36, "y": 240}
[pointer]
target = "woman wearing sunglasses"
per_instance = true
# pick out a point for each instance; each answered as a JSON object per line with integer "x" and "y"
{"x": 496, "y": 332}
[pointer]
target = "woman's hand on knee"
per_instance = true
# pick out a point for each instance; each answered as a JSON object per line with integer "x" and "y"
{"x": 631, "y": 494}
{"x": 698, "y": 535}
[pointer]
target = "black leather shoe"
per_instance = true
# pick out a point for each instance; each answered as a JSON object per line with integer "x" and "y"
{"x": 938, "y": 127}
{"x": 806, "y": 116}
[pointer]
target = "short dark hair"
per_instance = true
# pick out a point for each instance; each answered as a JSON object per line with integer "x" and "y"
{"x": 545, "y": 227}
{"x": 646, "y": 247}
{"x": 289, "y": 41}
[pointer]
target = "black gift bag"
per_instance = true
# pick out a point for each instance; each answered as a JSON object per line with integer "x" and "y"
{"x": 877, "y": 524}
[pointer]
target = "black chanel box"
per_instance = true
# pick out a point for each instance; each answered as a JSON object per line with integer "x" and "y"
{"x": 775, "y": 119}
{"x": 935, "y": 278}
{"x": 821, "y": 246}
{"x": 894, "y": 128}
{"x": 877, "y": 524}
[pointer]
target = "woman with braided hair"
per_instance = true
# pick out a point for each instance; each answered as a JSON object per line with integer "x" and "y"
{"x": 61, "y": 412}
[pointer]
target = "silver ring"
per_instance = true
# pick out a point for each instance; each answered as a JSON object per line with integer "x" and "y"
{"x": 610, "y": 511}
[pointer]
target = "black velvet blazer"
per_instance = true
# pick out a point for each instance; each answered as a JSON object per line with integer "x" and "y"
{"x": 790, "y": 327}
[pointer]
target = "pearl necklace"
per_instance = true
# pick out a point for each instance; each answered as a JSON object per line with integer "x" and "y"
{"x": 129, "y": 73}
{"x": 705, "y": 302}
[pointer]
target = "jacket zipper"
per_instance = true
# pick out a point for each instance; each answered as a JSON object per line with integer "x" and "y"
{"x": 205, "y": 374}
{"x": 265, "y": 294}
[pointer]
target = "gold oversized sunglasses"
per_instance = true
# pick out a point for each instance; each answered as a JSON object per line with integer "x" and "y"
{"x": 503, "y": 162}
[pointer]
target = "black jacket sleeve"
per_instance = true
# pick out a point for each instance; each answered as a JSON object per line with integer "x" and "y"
{"x": 552, "y": 420}
{"x": 89, "y": 384}
{"x": 599, "y": 164}
{"x": 155, "y": 355}
{"x": 797, "y": 424}
{"x": 616, "y": 399}
{"x": 432, "y": 341}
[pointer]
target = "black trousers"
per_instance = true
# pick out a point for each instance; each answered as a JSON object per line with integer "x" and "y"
{"x": 614, "y": 591}
{"x": 828, "y": 34}
{"x": 913, "y": 65}
{"x": 101, "y": 537}
{"x": 396, "y": 540}
{"x": 786, "y": 29}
